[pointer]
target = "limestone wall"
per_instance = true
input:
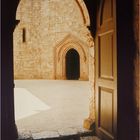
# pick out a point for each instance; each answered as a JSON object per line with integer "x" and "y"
{"x": 46, "y": 24}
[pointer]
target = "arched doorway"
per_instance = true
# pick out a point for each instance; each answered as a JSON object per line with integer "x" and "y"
{"x": 68, "y": 43}
{"x": 8, "y": 122}
{"x": 72, "y": 65}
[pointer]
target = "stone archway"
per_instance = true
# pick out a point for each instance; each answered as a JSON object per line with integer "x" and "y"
{"x": 30, "y": 41}
{"x": 72, "y": 65}
{"x": 8, "y": 123}
{"x": 60, "y": 52}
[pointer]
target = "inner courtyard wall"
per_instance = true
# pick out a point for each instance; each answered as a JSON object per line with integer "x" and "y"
{"x": 45, "y": 24}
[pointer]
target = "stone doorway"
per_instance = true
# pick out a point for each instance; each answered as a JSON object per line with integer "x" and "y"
{"x": 128, "y": 51}
{"x": 60, "y": 51}
{"x": 72, "y": 65}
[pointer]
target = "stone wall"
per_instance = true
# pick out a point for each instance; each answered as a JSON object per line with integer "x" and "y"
{"x": 46, "y": 24}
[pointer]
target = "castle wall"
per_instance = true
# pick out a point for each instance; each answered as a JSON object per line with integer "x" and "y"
{"x": 45, "y": 24}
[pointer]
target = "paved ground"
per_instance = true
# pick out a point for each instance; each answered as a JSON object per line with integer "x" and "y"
{"x": 51, "y": 107}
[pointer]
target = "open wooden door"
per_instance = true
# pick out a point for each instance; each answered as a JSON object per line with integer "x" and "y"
{"x": 106, "y": 71}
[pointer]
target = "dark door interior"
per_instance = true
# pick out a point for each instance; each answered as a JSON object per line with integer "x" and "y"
{"x": 72, "y": 65}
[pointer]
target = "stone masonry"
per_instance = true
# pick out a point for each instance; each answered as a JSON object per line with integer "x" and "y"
{"x": 47, "y": 29}
{"x": 43, "y": 24}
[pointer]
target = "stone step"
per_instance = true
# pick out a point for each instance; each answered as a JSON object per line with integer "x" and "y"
{"x": 45, "y": 136}
{"x": 65, "y": 138}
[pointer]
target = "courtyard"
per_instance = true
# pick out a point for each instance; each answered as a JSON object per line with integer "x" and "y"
{"x": 57, "y": 107}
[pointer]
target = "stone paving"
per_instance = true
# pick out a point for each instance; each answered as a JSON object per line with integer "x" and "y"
{"x": 44, "y": 136}
{"x": 58, "y": 108}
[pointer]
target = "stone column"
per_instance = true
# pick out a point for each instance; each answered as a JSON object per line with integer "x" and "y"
{"x": 90, "y": 121}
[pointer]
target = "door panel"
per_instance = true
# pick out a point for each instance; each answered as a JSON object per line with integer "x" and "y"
{"x": 106, "y": 74}
{"x": 106, "y": 109}
{"x": 106, "y": 55}
{"x": 106, "y": 12}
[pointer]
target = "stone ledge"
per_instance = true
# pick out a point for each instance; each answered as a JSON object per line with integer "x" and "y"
{"x": 64, "y": 134}
{"x": 45, "y": 135}
{"x": 25, "y": 136}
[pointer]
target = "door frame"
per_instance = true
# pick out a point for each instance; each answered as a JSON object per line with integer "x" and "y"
{"x": 128, "y": 66}
{"x": 60, "y": 51}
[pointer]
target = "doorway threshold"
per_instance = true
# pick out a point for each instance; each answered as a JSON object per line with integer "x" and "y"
{"x": 67, "y": 134}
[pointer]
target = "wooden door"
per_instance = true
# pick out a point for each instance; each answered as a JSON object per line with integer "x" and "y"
{"x": 106, "y": 71}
